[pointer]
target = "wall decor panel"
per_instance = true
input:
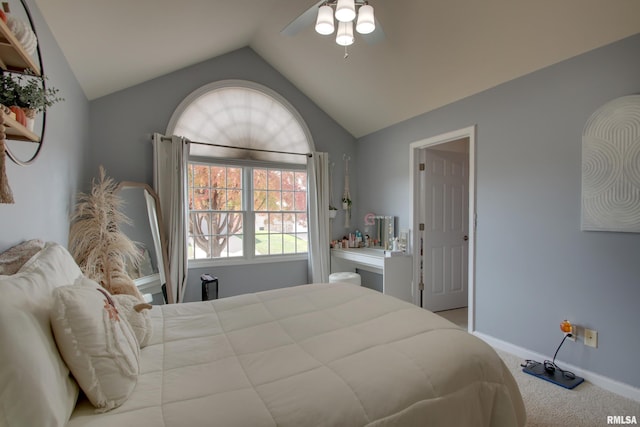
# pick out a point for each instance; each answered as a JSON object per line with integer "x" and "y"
{"x": 611, "y": 167}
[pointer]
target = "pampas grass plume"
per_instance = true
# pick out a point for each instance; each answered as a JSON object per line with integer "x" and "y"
{"x": 95, "y": 241}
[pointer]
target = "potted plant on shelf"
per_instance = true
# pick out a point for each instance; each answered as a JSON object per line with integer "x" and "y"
{"x": 28, "y": 93}
{"x": 8, "y": 93}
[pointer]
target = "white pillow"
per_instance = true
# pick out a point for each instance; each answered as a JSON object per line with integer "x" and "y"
{"x": 137, "y": 314}
{"x": 97, "y": 343}
{"x": 37, "y": 389}
{"x": 12, "y": 260}
{"x": 35, "y": 386}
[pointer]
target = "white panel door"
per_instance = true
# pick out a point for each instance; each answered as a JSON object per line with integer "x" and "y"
{"x": 445, "y": 213}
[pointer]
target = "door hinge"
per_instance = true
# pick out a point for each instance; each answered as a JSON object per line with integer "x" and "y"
{"x": 421, "y": 166}
{"x": 421, "y": 286}
{"x": 421, "y": 226}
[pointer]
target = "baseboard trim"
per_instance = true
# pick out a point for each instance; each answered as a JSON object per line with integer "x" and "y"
{"x": 625, "y": 390}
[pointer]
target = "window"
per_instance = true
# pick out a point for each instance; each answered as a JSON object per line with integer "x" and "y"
{"x": 241, "y": 114}
{"x": 238, "y": 211}
{"x": 216, "y": 216}
{"x": 280, "y": 206}
{"x": 244, "y": 205}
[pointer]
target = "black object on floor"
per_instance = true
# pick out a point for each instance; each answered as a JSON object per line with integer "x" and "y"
{"x": 206, "y": 280}
{"x": 557, "y": 376}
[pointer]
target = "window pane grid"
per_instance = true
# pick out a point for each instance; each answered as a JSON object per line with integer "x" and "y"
{"x": 217, "y": 218}
{"x": 215, "y": 211}
{"x": 215, "y": 234}
{"x": 279, "y": 232}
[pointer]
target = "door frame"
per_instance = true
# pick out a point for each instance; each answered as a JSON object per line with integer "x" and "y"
{"x": 470, "y": 133}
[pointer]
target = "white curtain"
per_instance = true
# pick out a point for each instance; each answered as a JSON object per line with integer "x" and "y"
{"x": 170, "y": 157}
{"x": 318, "y": 201}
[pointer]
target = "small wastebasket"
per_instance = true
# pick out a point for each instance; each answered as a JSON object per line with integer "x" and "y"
{"x": 345, "y": 276}
{"x": 207, "y": 281}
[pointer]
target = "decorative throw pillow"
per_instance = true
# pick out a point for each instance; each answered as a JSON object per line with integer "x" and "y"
{"x": 14, "y": 258}
{"x": 137, "y": 315}
{"x": 96, "y": 342}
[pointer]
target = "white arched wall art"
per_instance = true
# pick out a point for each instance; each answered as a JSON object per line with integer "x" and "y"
{"x": 611, "y": 167}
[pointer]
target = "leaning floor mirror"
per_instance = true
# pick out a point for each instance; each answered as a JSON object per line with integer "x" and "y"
{"x": 142, "y": 207}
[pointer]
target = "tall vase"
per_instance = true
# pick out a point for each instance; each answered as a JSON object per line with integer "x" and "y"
{"x": 31, "y": 118}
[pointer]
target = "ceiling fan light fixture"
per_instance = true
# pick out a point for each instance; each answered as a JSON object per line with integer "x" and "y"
{"x": 366, "y": 21}
{"x": 324, "y": 22}
{"x": 345, "y": 34}
{"x": 349, "y": 15}
{"x": 346, "y": 10}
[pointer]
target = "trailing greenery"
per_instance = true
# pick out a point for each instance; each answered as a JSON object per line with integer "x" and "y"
{"x": 27, "y": 91}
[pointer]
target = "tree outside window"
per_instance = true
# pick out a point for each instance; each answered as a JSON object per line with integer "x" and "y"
{"x": 217, "y": 216}
{"x": 215, "y": 211}
{"x": 280, "y": 205}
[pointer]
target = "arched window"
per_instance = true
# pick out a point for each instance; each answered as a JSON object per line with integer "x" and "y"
{"x": 248, "y": 203}
{"x": 242, "y": 114}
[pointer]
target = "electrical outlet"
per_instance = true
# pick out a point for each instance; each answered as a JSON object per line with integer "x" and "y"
{"x": 569, "y": 328}
{"x": 591, "y": 338}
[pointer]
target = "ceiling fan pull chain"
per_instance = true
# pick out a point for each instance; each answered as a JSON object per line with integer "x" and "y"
{"x": 346, "y": 53}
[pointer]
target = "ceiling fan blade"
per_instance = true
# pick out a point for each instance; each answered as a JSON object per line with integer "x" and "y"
{"x": 377, "y": 36}
{"x": 303, "y": 21}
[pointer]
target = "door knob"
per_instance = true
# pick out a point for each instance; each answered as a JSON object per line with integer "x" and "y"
{"x": 465, "y": 238}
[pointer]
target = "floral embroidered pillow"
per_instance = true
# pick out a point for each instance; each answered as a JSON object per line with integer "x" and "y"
{"x": 96, "y": 342}
{"x": 137, "y": 314}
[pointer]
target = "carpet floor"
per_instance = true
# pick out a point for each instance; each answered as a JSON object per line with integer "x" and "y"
{"x": 549, "y": 405}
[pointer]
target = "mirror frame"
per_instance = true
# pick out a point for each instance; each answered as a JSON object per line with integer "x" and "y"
{"x": 163, "y": 239}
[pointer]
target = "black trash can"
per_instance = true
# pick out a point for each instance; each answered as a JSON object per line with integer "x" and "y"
{"x": 207, "y": 281}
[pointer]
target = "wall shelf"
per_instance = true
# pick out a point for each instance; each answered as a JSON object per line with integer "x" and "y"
{"x": 16, "y": 131}
{"x": 13, "y": 57}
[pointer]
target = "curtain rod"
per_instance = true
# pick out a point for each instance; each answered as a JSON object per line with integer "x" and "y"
{"x": 168, "y": 138}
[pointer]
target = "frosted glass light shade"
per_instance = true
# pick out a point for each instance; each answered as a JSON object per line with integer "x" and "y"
{"x": 345, "y": 34}
{"x": 346, "y": 10}
{"x": 324, "y": 23}
{"x": 366, "y": 22}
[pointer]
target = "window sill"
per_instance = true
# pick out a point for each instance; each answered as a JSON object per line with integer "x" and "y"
{"x": 274, "y": 259}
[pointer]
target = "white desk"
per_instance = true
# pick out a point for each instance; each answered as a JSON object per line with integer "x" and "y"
{"x": 396, "y": 270}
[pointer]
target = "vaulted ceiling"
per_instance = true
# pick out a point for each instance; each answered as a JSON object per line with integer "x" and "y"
{"x": 435, "y": 51}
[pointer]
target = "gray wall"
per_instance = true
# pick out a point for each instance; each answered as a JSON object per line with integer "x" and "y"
{"x": 234, "y": 280}
{"x": 534, "y": 265}
{"x": 121, "y": 125}
{"x": 45, "y": 191}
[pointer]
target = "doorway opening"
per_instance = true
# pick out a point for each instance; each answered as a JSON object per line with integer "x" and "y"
{"x": 444, "y": 217}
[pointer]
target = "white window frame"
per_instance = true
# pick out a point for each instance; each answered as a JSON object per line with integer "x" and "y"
{"x": 248, "y": 247}
{"x": 180, "y": 109}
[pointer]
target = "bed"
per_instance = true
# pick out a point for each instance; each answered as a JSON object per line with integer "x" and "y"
{"x": 311, "y": 355}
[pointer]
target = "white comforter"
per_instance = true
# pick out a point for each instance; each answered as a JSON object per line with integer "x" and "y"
{"x": 313, "y": 355}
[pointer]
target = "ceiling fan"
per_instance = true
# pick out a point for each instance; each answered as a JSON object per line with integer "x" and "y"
{"x": 345, "y": 12}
